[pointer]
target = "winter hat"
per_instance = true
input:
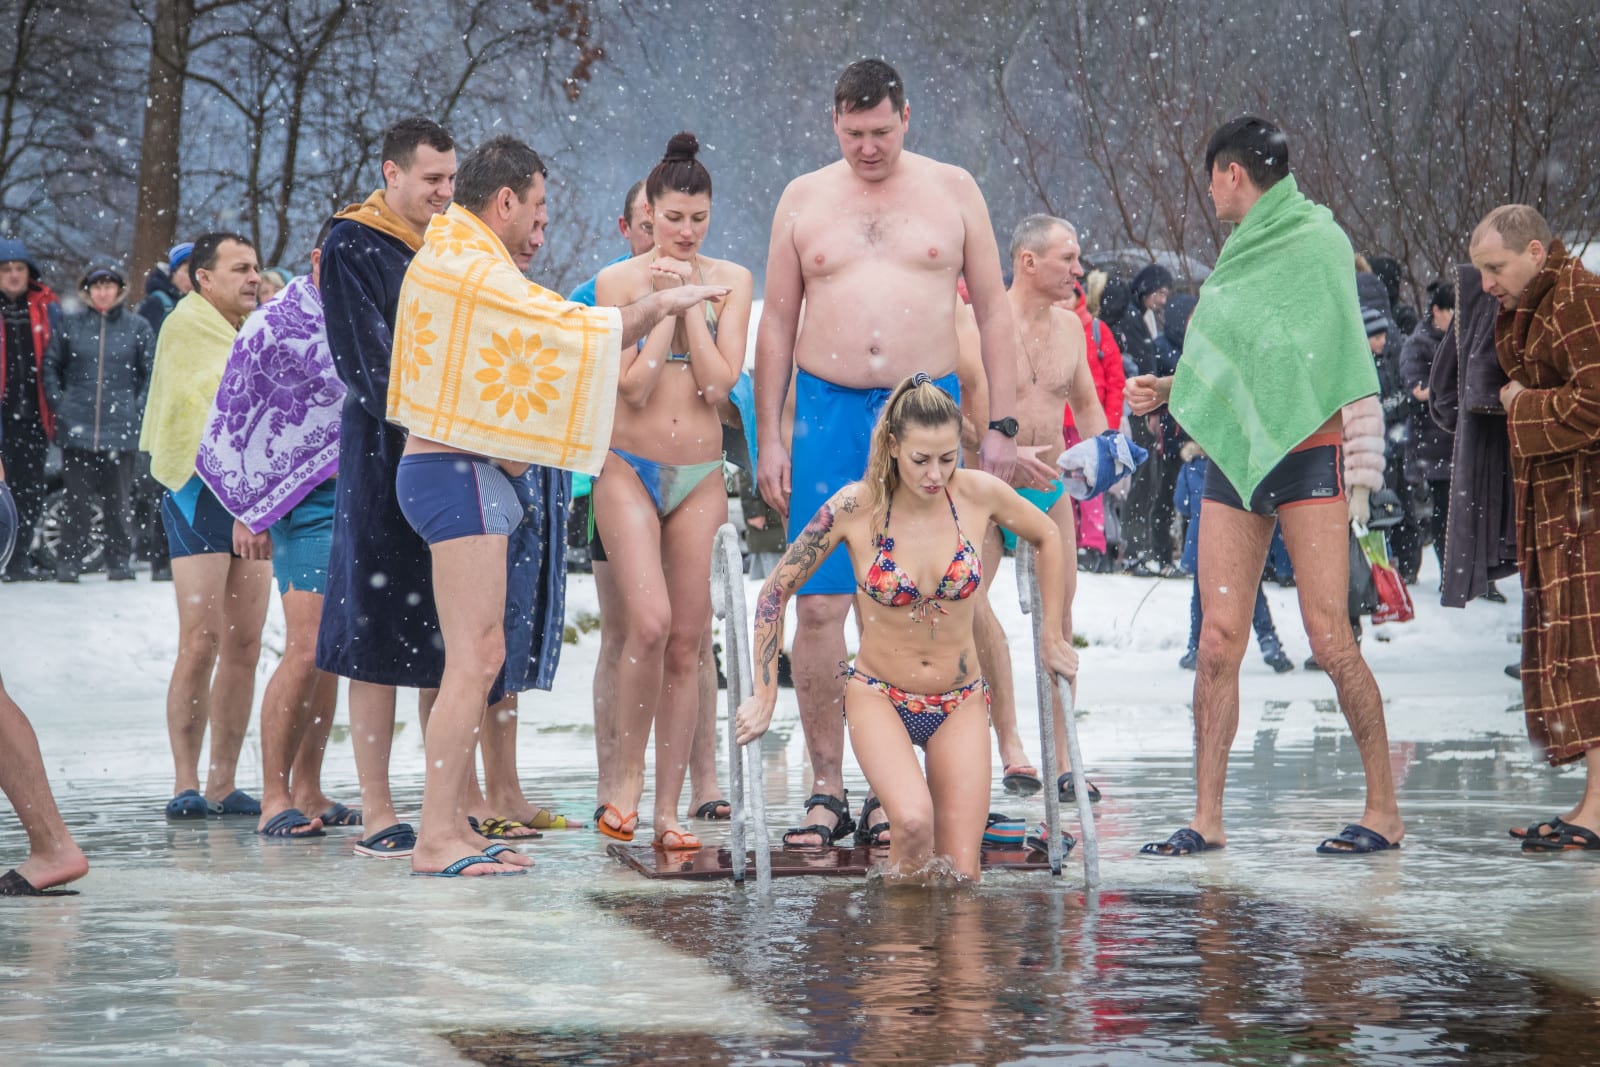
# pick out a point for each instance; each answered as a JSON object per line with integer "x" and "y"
{"x": 177, "y": 254}
{"x": 101, "y": 274}
{"x": 1375, "y": 321}
{"x": 14, "y": 251}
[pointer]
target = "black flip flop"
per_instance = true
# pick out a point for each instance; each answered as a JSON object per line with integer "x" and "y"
{"x": 1184, "y": 842}
{"x": 708, "y": 810}
{"x": 13, "y": 884}
{"x": 1362, "y": 842}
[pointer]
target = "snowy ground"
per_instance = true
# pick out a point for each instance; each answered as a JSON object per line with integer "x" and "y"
{"x": 192, "y": 943}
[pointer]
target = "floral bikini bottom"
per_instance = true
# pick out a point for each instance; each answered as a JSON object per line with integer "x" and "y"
{"x": 920, "y": 714}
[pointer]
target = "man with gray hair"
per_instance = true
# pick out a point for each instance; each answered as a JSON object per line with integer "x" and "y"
{"x": 1052, "y": 372}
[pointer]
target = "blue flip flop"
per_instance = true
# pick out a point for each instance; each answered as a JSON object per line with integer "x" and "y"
{"x": 1184, "y": 842}
{"x": 496, "y": 849}
{"x": 237, "y": 802}
{"x": 339, "y": 815}
{"x": 284, "y": 824}
{"x": 395, "y": 842}
{"x": 188, "y": 804}
{"x": 1362, "y": 842}
{"x": 455, "y": 869}
{"x": 1040, "y": 843}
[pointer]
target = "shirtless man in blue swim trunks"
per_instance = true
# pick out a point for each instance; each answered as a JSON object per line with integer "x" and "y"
{"x": 870, "y": 247}
{"x": 1052, "y": 373}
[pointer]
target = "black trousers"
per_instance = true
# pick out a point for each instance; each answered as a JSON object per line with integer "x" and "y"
{"x": 1439, "y": 490}
{"x": 22, "y": 449}
{"x": 104, "y": 478}
{"x": 151, "y": 535}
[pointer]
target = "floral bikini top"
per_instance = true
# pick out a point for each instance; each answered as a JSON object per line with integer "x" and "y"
{"x": 893, "y": 588}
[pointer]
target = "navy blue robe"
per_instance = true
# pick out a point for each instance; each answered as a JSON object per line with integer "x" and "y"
{"x": 378, "y": 620}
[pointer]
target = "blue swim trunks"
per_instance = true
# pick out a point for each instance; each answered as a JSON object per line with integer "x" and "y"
{"x": 301, "y": 541}
{"x": 832, "y": 434}
{"x": 446, "y": 495}
{"x": 1043, "y": 499}
{"x": 195, "y": 521}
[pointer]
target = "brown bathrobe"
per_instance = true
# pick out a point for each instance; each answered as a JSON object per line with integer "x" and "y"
{"x": 1551, "y": 344}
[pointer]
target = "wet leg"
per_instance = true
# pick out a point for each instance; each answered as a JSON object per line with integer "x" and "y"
{"x": 994, "y": 659}
{"x": 818, "y": 650}
{"x": 606, "y": 732}
{"x": 53, "y": 857}
{"x": 959, "y": 781}
{"x": 1317, "y": 536}
{"x": 199, "y": 583}
{"x": 286, "y": 707}
{"x": 889, "y": 760}
{"x": 703, "y": 785}
{"x": 1061, "y": 515}
{"x": 686, "y": 542}
{"x": 469, "y": 575}
{"x": 305, "y": 777}
{"x": 233, "y": 686}
{"x": 372, "y": 739}
{"x": 1233, "y": 549}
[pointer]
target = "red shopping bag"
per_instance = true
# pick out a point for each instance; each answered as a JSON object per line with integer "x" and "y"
{"x": 1394, "y": 602}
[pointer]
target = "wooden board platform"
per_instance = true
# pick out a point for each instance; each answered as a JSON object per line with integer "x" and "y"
{"x": 710, "y": 865}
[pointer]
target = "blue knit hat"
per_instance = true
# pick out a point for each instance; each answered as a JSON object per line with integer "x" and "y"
{"x": 177, "y": 254}
{"x": 14, "y": 251}
{"x": 1375, "y": 321}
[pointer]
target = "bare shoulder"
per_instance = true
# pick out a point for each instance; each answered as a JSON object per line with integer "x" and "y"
{"x": 1067, "y": 329}
{"x": 957, "y": 181}
{"x": 623, "y": 276}
{"x": 726, "y": 272}
{"x": 979, "y": 487}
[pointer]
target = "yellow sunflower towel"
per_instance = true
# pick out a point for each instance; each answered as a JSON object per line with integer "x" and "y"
{"x": 486, "y": 361}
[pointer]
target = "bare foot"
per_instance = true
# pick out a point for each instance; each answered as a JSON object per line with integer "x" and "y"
{"x": 267, "y": 815}
{"x": 507, "y": 854}
{"x": 439, "y": 853}
{"x": 44, "y": 870}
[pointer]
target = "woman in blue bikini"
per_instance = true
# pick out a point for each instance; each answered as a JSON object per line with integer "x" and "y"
{"x": 660, "y": 497}
{"x": 917, "y": 678}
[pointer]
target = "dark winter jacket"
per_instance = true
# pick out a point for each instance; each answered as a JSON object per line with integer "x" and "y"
{"x": 1429, "y": 447}
{"x": 1117, "y": 311}
{"x": 1393, "y": 398}
{"x": 1372, "y": 293}
{"x": 1186, "y": 499}
{"x": 1480, "y": 542}
{"x": 161, "y": 296}
{"x": 44, "y": 316}
{"x": 1168, "y": 350}
{"x": 96, "y": 373}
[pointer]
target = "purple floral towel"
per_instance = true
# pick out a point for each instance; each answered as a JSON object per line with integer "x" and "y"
{"x": 273, "y": 433}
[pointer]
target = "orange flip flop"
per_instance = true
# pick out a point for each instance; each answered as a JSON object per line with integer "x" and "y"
{"x": 677, "y": 841}
{"x": 617, "y": 831}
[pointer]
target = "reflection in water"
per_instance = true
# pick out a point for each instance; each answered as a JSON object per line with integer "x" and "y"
{"x": 1012, "y": 974}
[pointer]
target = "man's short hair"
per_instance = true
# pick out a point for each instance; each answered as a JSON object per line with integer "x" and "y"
{"x": 206, "y": 247}
{"x": 1517, "y": 225}
{"x": 400, "y": 140}
{"x": 1034, "y": 232}
{"x": 627, "y": 205}
{"x": 499, "y": 163}
{"x": 1258, "y": 146}
{"x": 865, "y": 84}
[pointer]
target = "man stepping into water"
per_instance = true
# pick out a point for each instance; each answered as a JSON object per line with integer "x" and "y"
{"x": 1274, "y": 350}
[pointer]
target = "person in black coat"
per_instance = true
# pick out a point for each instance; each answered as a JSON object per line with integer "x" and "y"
{"x": 96, "y": 374}
{"x": 1147, "y": 513}
{"x": 1429, "y": 446}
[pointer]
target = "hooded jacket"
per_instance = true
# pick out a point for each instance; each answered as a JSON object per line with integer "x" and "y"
{"x": 1428, "y": 447}
{"x": 161, "y": 296}
{"x": 44, "y": 315}
{"x": 97, "y": 375}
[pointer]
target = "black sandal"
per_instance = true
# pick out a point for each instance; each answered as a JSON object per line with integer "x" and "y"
{"x": 869, "y": 833}
{"x": 844, "y": 827}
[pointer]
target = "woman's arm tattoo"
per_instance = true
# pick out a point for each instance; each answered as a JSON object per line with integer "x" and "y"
{"x": 803, "y": 556}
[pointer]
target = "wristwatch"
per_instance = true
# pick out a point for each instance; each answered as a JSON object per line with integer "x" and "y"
{"x": 1007, "y": 426}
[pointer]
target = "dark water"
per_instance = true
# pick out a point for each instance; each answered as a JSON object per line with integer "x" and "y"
{"x": 1012, "y": 974}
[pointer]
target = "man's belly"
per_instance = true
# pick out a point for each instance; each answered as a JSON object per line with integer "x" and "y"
{"x": 869, "y": 330}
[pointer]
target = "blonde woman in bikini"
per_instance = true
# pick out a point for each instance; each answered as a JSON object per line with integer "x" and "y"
{"x": 907, "y": 528}
{"x": 660, "y": 497}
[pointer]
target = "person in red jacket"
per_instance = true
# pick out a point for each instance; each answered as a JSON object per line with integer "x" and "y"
{"x": 28, "y": 314}
{"x": 1105, "y": 365}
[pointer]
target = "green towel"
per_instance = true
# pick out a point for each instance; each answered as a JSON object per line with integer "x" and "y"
{"x": 1276, "y": 344}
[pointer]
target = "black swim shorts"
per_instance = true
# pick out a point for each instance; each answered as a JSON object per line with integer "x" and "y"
{"x": 1312, "y": 474}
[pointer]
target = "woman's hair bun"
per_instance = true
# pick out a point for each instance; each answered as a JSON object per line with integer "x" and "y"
{"x": 682, "y": 148}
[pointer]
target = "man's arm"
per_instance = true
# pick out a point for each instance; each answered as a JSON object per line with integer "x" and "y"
{"x": 775, "y": 341}
{"x": 1549, "y": 422}
{"x": 55, "y": 369}
{"x": 641, "y": 316}
{"x": 980, "y": 262}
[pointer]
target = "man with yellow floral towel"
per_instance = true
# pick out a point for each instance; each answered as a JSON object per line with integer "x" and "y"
{"x": 491, "y": 373}
{"x": 1275, "y": 348}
